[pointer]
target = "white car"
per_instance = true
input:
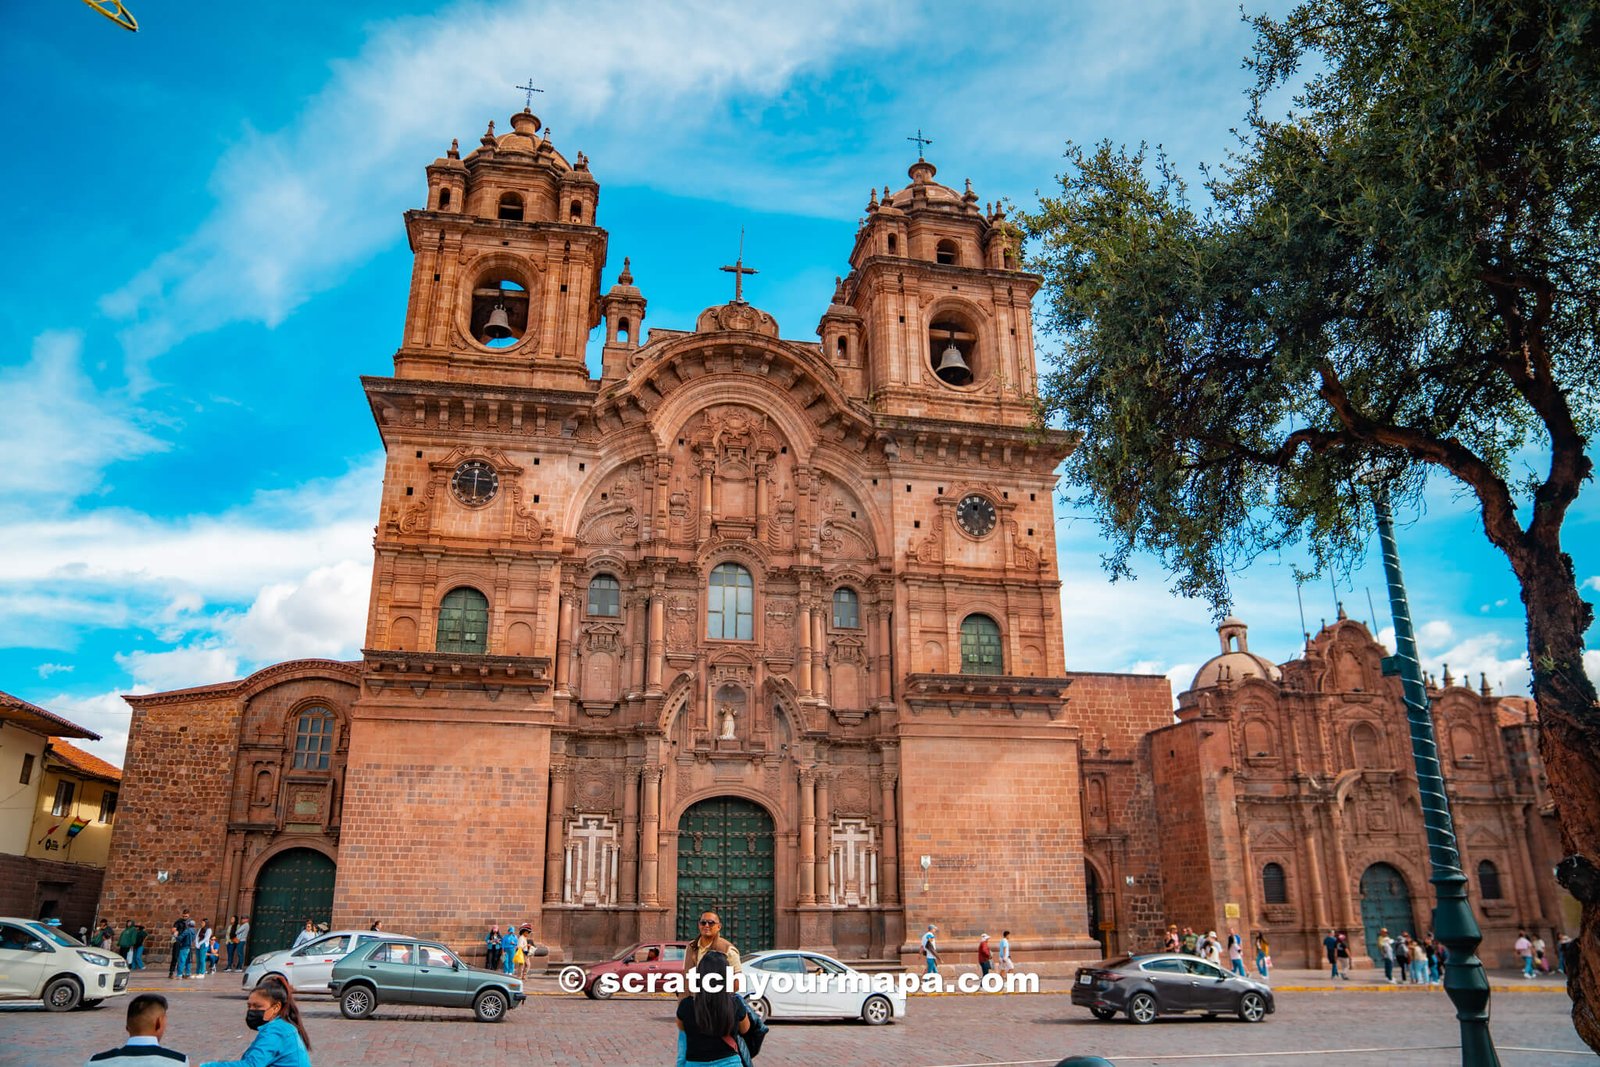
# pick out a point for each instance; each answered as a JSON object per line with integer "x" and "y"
{"x": 309, "y": 968}
{"x": 42, "y": 962}
{"x": 809, "y": 985}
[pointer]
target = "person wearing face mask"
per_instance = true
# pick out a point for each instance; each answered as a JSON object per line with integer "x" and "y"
{"x": 281, "y": 1039}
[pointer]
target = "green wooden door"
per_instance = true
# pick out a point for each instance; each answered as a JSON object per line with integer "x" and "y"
{"x": 725, "y": 863}
{"x": 1385, "y": 904}
{"x": 294, "y": 886}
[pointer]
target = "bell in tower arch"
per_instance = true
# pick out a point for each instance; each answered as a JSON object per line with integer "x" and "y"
{"x": 952, "y": 368}
{"x": 499, "y": 324}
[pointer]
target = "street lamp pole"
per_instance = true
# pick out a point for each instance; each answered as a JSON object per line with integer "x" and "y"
{"x": 1464, "y": 980}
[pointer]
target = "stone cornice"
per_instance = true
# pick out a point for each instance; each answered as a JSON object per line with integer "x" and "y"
{"x": 422, "y": 669}
{"x": 955, "y": 693}
{"x": 279, "y": 672}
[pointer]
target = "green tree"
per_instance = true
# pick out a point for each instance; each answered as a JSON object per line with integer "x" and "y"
{"x": 1397, "y": 278}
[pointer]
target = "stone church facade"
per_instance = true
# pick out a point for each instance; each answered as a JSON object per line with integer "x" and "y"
{"x": 745, "y": 622}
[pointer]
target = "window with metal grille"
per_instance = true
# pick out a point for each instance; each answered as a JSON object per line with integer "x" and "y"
{"x": 313, "y": 740}
{"x": 980, "y": 646}
{"x": 63, "y": 804}
{"x": 730, "y": 608}
{"x": 1489, "y": 881}
{"x": 1274, "y": 887}
{"x": 846, "y": 609}
{"x": 108, "y": 805}
{"x": 604, "y": 592}
{"x": 463, "y": 622}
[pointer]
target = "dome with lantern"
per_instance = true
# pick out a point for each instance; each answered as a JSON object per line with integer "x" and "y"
{"x": 1236, "y": 662}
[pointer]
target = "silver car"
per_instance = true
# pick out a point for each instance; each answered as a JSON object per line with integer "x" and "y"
{"x": 308, "y": 968}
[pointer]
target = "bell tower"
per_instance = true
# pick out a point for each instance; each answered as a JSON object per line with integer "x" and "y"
{"x": 943, "y": 308}
{"x": 505, "y": 286}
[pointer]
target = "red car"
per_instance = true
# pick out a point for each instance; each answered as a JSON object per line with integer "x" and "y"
{"x": 645, "y": 958}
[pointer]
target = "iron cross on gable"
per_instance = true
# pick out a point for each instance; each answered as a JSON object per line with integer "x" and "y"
{"x": 922, "y": 142}
{"x": 739, "y": 270}
{"x": 530, "y": 90}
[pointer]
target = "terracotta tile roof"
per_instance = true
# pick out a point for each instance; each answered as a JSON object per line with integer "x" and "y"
{"x": 83, "y": 762}
{"x": 32, "y": 717}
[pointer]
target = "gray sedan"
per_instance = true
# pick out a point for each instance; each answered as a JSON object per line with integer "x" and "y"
{"x": 1168, "y": 983}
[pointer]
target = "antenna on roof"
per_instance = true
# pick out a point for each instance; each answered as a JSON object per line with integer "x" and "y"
{"x": 1372, "y": 611}
{"x": 1304, "y": 633}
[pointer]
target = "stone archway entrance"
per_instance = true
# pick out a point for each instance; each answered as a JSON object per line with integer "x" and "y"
{"x": 1385, "y": 903}
{"x": 292, "y": 887}
{"x": 725, "y": 864}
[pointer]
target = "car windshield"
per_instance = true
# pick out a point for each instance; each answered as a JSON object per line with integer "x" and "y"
{"x": 60, "y": 937}
{"x": 631, "y": 950}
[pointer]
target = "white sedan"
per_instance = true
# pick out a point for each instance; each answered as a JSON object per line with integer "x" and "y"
{"x": 309, "y": 968}
{"x": 788, "y": 984}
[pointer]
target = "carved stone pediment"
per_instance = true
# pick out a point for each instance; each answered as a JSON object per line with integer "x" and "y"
{"x": 737, "y": 316}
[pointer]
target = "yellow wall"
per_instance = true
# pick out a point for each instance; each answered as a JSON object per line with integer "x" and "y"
{"x": 93, "y": 842}
{"x": 18, "y": 802}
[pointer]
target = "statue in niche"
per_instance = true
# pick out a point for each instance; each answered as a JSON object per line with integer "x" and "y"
{"x": 729, "y": 704}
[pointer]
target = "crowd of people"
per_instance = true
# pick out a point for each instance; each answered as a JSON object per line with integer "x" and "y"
{"x": 197, "y": 948}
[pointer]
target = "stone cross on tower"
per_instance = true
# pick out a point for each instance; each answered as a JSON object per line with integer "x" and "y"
{"x": 739, "y": 270}
{"x": 530, "y": 90}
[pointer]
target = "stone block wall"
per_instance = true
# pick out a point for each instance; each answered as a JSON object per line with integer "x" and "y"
{"x": 41, "y": 889}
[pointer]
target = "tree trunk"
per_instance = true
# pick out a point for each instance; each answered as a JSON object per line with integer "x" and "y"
{"x": 1569, "y": 741}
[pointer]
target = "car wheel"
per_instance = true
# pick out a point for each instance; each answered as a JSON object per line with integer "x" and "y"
{"x": 594, "y": 992}
{"x": 1141, "y": 1008}
{"x": 1103, "y": 1014}
{"x": 490, "y": 1006}
{"x": 1252, "y": 1007}
{"x": 760, "y": 1006}
{"x": 876, "y": 1011}
{"x": 62, "y": 994}
{"x": 589, "y": 991}
{"x": 357, "y": 1002}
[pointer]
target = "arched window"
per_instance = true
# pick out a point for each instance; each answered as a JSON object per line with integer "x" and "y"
{"x": 463, "y": 622}
{"x": 893, "y": 244}
{"x": 730, "y": 607}
{"x": 947, "y": 252}
{"x": 575, "y": 211}
{"x": 1489, "y": 881}
{"x": 313, "y": 740}
{"x": 846, "y": 609}
{"x": 980, "y": 646}
{"x": 1274, "y": 887}
{"x": 499, "y": 311}
{"x": 623, "y": 329}
{"x": 444, "y": 199}
{"x": 510, "y": 207}
{"x": 953, "y": 349}
{"x": 603, "y": 595}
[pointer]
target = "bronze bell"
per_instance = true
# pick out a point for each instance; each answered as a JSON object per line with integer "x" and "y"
{"x": 499, "y": 324}
{"x": 952, "y": 368}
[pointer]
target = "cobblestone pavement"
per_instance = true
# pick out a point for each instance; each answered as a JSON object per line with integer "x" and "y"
{"x": 1365, "y": 1025}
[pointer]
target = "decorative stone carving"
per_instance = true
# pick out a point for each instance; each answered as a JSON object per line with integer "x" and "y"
{"x": 736, "y": 316}
{"x": 680, "y": 624}
{"x": 603, "y": 637}
{"x": 780, "y": 625}
{"x": 612, "y": 515}
{"x": 590, "y": 873}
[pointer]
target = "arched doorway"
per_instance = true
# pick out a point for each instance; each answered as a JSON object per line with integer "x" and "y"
{"x": 725, "y": 864}
{"x": 1091, "y": 890}
{"x": 1385, "y": 904}
{"x": 292, "y": 887}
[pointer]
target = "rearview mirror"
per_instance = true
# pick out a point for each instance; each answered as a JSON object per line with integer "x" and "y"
{"x": 455, "y": 965}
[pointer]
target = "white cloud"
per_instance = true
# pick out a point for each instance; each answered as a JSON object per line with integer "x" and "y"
{"x": 47, "y": 669}
{"x": 294, "y": 209}
{"x": 107, "y": 714}
{"x": 323, "y": 614}
{"x": 59, "y": 432}
{"x": 179, "y": 668}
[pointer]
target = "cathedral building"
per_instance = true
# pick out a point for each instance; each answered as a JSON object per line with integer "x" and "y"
{"x": 741, "y": 622}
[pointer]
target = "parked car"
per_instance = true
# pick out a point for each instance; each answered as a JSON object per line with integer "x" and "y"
{"x": 645, "y": 958}
{"x": 308, "y": 968}
{"x": 822, "y": 988}
{"x": 1167, "y": 983}
{"x": 42, "y": 962}
{"x": 408, "y": 971}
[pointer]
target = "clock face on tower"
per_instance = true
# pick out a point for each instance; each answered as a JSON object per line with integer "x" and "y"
{"x": 975, "y": 514}
{"x": 474, "y": 483}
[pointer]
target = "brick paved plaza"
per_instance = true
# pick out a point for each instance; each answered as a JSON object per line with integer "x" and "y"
{"x": 1377, "y": 1026}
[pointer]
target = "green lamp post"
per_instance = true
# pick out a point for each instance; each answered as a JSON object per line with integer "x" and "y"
{"x": 1453, "y": 923}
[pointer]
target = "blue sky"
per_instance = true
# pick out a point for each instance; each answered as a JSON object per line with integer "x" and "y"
{"x": 207, "y": 250}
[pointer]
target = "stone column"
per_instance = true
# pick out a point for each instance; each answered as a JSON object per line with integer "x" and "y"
{"x": 1313, "y": 878}
{"x": 650, "y": 838}
{"x": 638, "y": 621}
{"x": 630, "y": 835}
{"x": 564, "y": 646}
{"x": 808, "y": 840}
{"x": 805, "y": 647}
{"x": 889, "y": 876}
{"x": 707, "y": 467}
{"x": 555, "y": 837}
{"x": 824, "y": 838}
{"x": 658, "y": 640}
{"x": 885, "y": 686}
{"x": 819, "y": 653}
{"x": 762, "y": 470}
{"x": 1348, "y": 916}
